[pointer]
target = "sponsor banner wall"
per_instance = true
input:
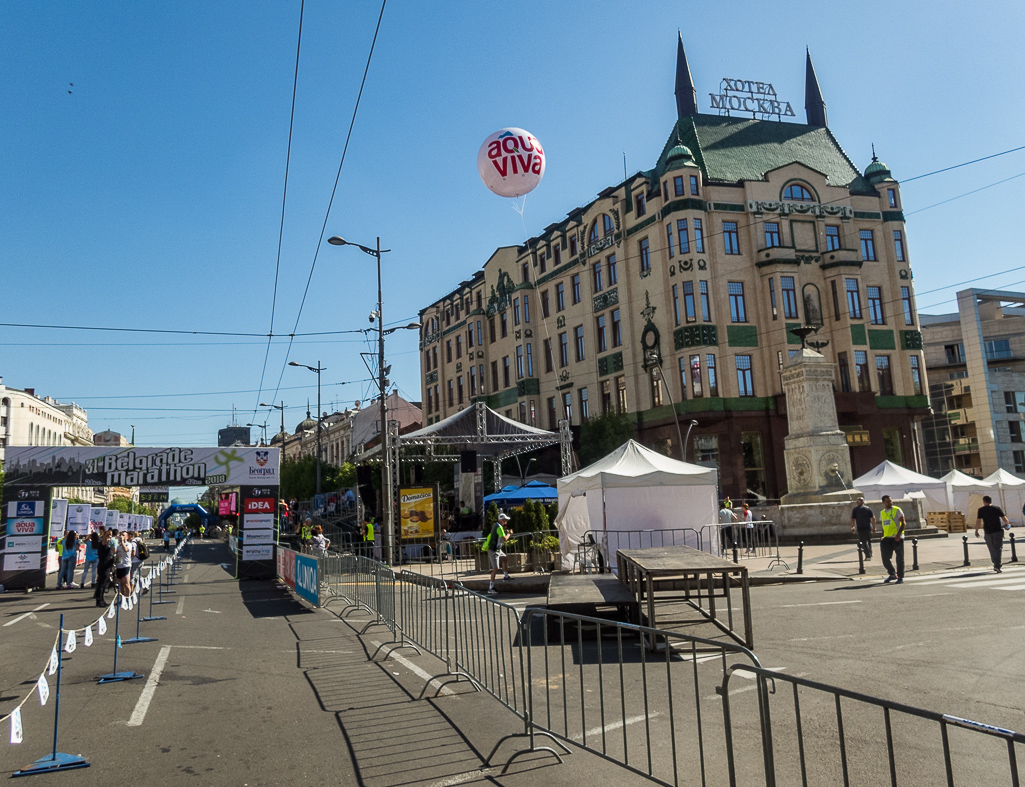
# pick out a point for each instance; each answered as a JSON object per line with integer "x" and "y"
{"x": 25, "y": 526}
{"x": 110, "y": 518}
{"x": 307, "y": 584}
{"x": 258, "y": 521}
{"x": 143, "y": 467}
{"x": 250, "y": 537}
{"x": 19, "y": 508}
{"x": 58, "y": 516}
{"x": 78, "y": 517}
{"x": 286, "y": 566}
{"x": 97, "y": 517}
{"x": 259, "y": 552}
{"x": 416, "y": 511}
{"x": 23, "y": 544}
{"x": 22, "y": 561}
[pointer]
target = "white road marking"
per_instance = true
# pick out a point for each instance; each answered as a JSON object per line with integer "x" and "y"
{"x": 139, "y": 714}
{"x": 822, "y": 603}
{"x": 461, "y": 778}
{"x": 931, "y": 595}
{"x": 596, "y": 731}
{"x": 414, "y": 668}
{"x": 834, "y": 636}
{"x": 201, "y": 647}
{"x": 27, "y": 614}
{"x": 1011, "y": 587}
{"x": 215, "y": 611}
{"x": 964, "y": 573}
{"x": 984, "y": 580}
{"x": 181, "y": 606}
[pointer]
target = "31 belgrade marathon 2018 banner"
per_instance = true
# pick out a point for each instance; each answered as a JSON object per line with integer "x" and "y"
{"x": 131, "y": 466}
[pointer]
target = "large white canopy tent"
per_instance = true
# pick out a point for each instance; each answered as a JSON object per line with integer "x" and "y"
{"x": 898, "y": 482}
{"x": 964, "y": 493}
{"x": 634, "y": 489}
{"x": 1008, "y": 492}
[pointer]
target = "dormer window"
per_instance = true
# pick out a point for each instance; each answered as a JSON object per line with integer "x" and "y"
{"x": 604, "y": 221}
{"x": 797, "y": 193}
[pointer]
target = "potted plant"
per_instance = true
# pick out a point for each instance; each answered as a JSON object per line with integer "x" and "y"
{"x": 545, "y": 551}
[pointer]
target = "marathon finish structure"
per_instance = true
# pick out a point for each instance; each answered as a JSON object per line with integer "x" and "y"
{"x": 258, "y": 525}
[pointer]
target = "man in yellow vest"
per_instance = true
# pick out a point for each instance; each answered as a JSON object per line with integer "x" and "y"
{"x": 368, "y": 535}
{"x": 892, "y": 542}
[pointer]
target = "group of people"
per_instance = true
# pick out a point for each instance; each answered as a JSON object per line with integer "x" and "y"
{"x": 745, "y": 536}
{"x": 989, "y": 517}
{"x": 111, "y": 556}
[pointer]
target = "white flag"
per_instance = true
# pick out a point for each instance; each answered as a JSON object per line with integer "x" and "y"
{"x": 88, "y": 636}
{"x": 135, "y": 599}
{"x": 53, "y": 661}
{"x": 124, "y": 603}
{"x": 101, "y": 626}
{"x": 71, "y": 643}
{"x": 16, "y": 725}
{"x": 44, "y": 689}
{"x": 112, "y": 610}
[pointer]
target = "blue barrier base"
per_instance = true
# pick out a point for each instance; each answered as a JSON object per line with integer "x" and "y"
{"x": 115, "y": 677}
{"x": 161, "y": 617}
{"x": 53, "y": 762}
{"x": 137, "y": 640}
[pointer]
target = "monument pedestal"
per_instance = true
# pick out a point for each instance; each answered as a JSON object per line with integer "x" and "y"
{"x": 817, "y": 517}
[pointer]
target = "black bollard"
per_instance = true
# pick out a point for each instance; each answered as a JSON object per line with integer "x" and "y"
{"x": 736, "y": 557}
{"x": 800, "y": 558}
{"x": 1014, "y": 551}
{"x": 861, "y": 558}
{"x": 914, "y": 554}
{"x": 964, "y": 542}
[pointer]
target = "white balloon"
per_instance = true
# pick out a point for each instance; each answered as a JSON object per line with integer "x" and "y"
{"x": 511, "y": 162}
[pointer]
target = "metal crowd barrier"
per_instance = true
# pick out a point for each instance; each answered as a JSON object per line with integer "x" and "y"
{"x": 737, "y": 541}
{"x": 598, "y": 546}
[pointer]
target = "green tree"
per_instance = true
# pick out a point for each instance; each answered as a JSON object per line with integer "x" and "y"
{"x": 603, "y": 434}
{"x": 299, "y": 477}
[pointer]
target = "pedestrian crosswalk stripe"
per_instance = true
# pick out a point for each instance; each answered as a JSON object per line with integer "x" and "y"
{"x": 1012, "y": 587}
{"x": 951, "y": 576}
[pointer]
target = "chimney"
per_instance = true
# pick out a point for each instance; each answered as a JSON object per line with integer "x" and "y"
{"x": 30, "y": 391}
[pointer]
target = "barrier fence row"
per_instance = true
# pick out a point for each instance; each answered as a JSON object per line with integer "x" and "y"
{"x": 691, "y": 710}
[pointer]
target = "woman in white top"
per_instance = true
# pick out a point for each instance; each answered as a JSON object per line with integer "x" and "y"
{"x": 318, "y": 542}
{"x": 123, "y": 563}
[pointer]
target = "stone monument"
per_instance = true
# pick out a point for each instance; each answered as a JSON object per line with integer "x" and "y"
{"x": 818, "y": 462}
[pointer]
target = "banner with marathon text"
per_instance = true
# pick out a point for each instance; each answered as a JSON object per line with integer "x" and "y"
{"x": 143, "y": 467}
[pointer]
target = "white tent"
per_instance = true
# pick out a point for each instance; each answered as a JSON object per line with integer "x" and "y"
{"x": 891, "y": 479}
{"x": 1009, "y": 493}
{"x": 964, "y": 493}
{"x": 634, "y": 489}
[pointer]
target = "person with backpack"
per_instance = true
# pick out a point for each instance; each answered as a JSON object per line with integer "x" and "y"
{"x": 69, "y": 555}
{"x": 493, "y": 546}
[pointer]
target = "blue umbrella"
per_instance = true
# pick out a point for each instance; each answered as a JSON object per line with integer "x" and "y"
{"x": 498, "y": 497}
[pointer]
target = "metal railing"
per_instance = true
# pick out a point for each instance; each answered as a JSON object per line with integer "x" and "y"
{"x": 598, "y": 546}
{"x": 743, "y": 540}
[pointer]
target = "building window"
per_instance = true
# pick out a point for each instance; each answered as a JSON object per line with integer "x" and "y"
{"x": 519, "y": 362}
{"x": 730, "y": 238}
{"x": 526, "y": 272}
{"x": 621, "y": 394}
{"x": 681, "y": 362}
{"x": 788, "y": 288}
{"x": 516, "y": 311}
{"x": 905, "y": 300}
{"x": 494, "y": 376}
{"x": 567, "y": 406}
{"x": 585, "y": 411}
{"x": 469, "y": 336}
{"x": 868, "y": 245}
{"x": 530, "y": 361}
{"x": 695, "y": 376}
{"x": 798, "y": 193}
{"x": 665, "y": 190}
{"x": 669, "y": 239}
{"x": 656, "y": 387}
{"x": 526, "y": 309}
{"x": 645, "y": 255}
{"x": 459, "y": 346}
{"x": 997, "y": 349}
{"x": 684, "y": 238}
{"x": 549, "y": 359}
{"x": 898, "y": 245}
{"x": 613, "y": 278}
{"x": 772, "y": 298}
{"x": 427, "y": 366}
{"x": 430, "y": 402}
{"x": 699, "y": 238}
{"x": 713, "y": 385}
{"x": 640, "y": 205}
{"x": 542, "y": 260}
{"x": 553, "y": 416}
{"x": 678, "y": 185}
{"x": 853, "y": 298}
{"x": 503, "y": 321}
{"x": 891, "y": 197}
{"x": 916, "y": 376}
{"x": 523, "y": 412}
{"x": 506, "y": 382}
{"x": 875, "y": 305}
{"x": 491, "y": 330}
{"x": 1019, "y": 461}
{"x": 738, "y": 312}
{"x": 845, "y": 372}
{"x": 448, "y": 351}
{"x": 754, "y": 462}
{"x": 599, "y": 326}
{"x": 556, "y": 256}
{"x": 745, "y": 382}
{"x": 563, "y": 349}
{"x": 832, "y": 237}
{"x": 861, "y": 370}
{"x": 545, "y": 310}
{"x": 473, "y": 381}
{"x": 694, "y": 185}
{"x": 771, "y": 234}
{"x": 706, "y": 311}
{"x": 596, "y": 270}
{"x": 578, "y": 333}
{"x": 560, "y": 297}
{"x": 954, "y": 353}
{"x": 606, "y": 396}
{"x": 1014, "y": 401}
{"x": 573, "y": 245}
{"x": 575, "y": 282}
{"x": 836, "y": 300}
{"x": 688, "y": 301}
{"x": 617, "y": 329}
{"x": 459, "y": 386}
{"x": 883, "y": 375}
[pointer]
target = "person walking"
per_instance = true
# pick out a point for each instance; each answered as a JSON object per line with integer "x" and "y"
{"x": 993, "y": 521}
{"x": 91, "y": 559}
{"x": 123, "y": 563}
{"x": 726, "y": 520}
{"x": 748, "y": 517}
{"x": 493, "y": 546}
{"x": 105, "y": 563}
{"x": 863, "y": 523}
{"x": 892, "y": 542}
{"x": 167, "y": 540}
{"x": 368, "y": 535}
{"x": 69, "y": 555}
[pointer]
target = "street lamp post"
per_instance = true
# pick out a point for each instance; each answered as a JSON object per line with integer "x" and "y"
{"x": 280, "y": 407}
{"x": 318, "y": 369}
{"x": 263, "y": 426}
{"x": 652, "y": 358}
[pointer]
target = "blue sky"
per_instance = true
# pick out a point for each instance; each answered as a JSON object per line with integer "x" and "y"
{"x": 150, "y": 196}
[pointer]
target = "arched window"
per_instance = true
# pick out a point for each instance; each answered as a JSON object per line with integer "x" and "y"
{"x": 798, "y": 193}
{"x": 601, "y": 228}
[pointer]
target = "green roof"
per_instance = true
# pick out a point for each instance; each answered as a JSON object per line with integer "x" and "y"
{"x": 730, "y": 149}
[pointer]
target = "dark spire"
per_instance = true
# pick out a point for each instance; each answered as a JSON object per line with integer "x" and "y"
{"x": 686, "y": 95}
{"x": 814, "y": 106}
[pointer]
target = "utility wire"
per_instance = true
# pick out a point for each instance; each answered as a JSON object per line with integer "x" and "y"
{"x": 965, "y": 164}
{"x": 165, "y": 331}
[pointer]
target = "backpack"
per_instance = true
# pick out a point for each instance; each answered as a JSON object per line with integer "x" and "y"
{"x": 143, "y": 551}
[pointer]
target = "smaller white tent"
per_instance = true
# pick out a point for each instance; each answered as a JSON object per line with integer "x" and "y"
{"x": 891, "y": 479}
{"x": 964, "y": 493}
{"x": 1008, "y": 493}
{"x": 634, "y": 489}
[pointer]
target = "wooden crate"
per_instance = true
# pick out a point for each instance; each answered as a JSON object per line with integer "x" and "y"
{"x": 939, "y": 519}
{"x": 956, "y": 522}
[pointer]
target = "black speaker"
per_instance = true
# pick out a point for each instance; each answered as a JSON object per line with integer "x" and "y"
{"x": 418, "y": 474}
{"x": 468, "y": 461}
{"x": 365, "y": 487}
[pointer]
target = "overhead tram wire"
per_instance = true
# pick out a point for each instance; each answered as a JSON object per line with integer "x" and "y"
{"x": 209, "y": 393}
{"x": 284, "y": 200}
{"x": 327, "y": 213}
{"x": 166, "y": 330}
